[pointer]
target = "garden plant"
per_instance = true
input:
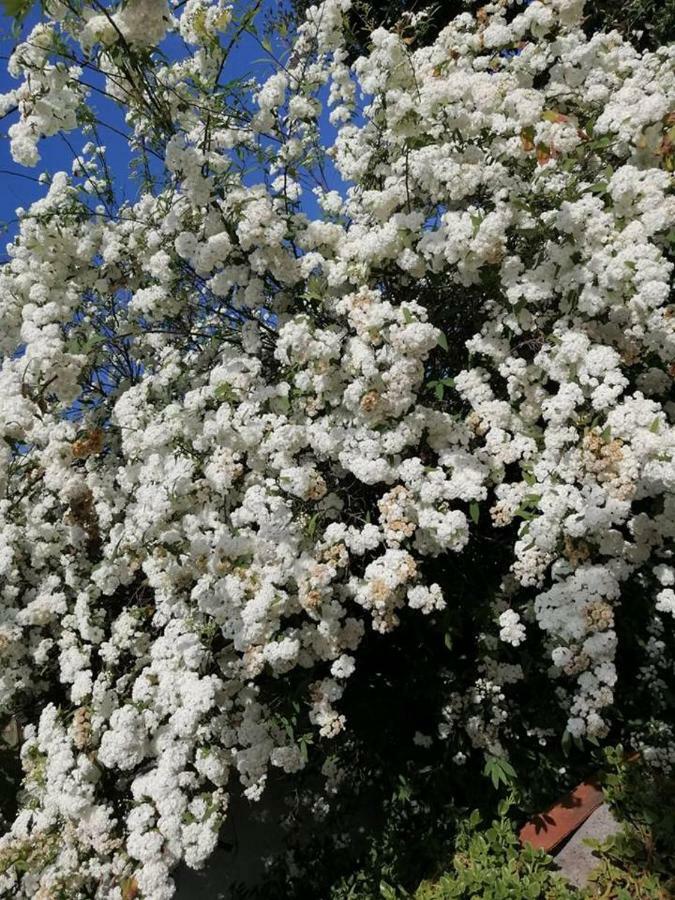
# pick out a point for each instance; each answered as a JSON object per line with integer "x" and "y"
{"x": 337, "y": 437}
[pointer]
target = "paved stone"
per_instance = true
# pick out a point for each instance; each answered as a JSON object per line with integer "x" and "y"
{"x": 576, "y": 859}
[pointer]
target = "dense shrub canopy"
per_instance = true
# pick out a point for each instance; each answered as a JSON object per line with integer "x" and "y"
{"x": 258, "y": 422}
{"x": 649, "y": 23}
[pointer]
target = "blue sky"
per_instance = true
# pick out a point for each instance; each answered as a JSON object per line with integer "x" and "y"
{"x": 14, "y": 190}
{"x": 18, "y": 184}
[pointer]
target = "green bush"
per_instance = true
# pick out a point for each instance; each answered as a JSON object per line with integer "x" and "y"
{"x": 639, "y": 861}
{"x": 491, "y": 864}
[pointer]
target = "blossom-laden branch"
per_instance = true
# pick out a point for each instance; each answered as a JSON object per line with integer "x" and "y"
{"x": 242, "y": 428}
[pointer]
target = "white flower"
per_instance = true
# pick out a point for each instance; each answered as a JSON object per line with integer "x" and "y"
{"x": 512, "y": 630}
{"x": 343, "y": 667}
{"x": 240, "y": 430}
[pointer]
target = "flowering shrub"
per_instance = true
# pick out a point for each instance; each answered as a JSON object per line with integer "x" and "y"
{"x": 241, "y": 437}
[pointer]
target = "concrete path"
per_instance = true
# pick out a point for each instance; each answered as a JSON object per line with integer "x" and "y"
{"x": 576, "y": 859}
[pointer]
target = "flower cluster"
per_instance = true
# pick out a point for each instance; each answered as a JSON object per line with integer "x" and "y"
{"x": 239, "y": 436}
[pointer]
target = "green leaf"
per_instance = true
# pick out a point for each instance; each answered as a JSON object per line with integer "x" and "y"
{"x": 499, "y": 770}
{"x": 387, "y": 892}
{"x": 474, "y": 820}
{"x": 442, "y": 341}
{"x": 495, "y": 776}
{"x": 407, "y": 315}
{"x": 404, "y": 791}
{"x": 17, "y": 9}
{"x": 311, "y": 526}
{"x": 504, "y": 806}
{"x": 281, "y": 404}
{"x": 474, "y": 512}
{"x": 224, "y": 392}
{"x": 654, "y": 427}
